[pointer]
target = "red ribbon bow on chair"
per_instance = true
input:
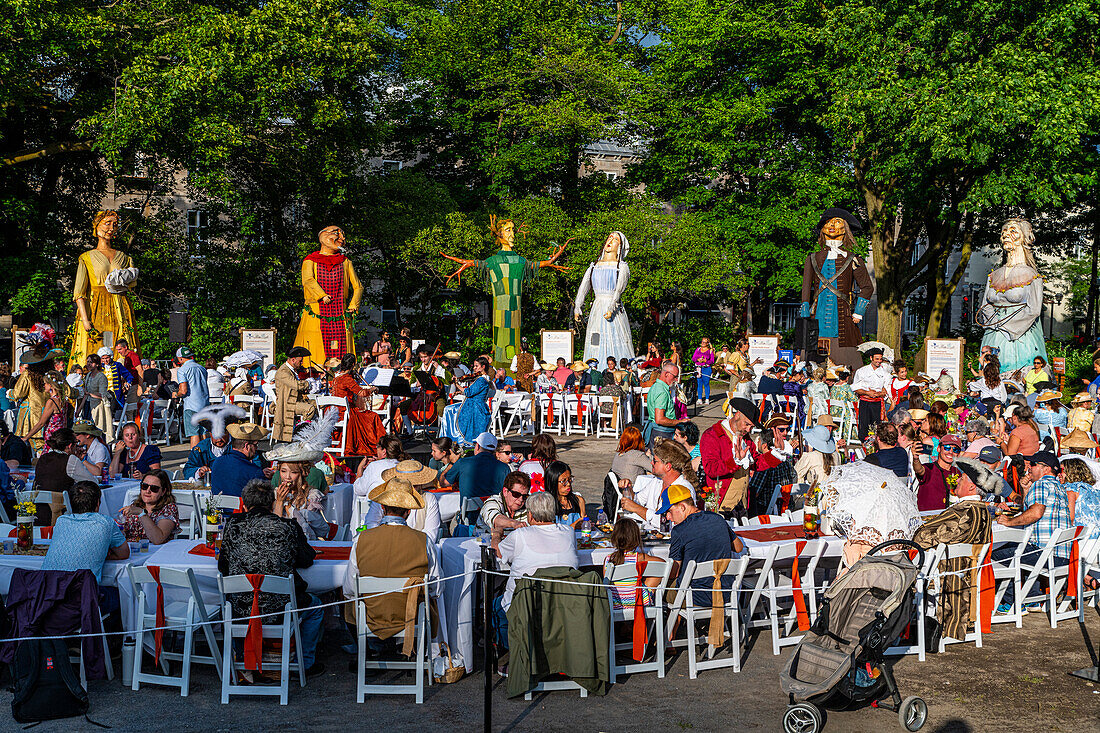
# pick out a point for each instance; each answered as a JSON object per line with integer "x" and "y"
{"x": 254, "y": 638}
{"x": 640, "y": 636}
{"x": 1072, "y": 591}
{"x": 162, "y": 621}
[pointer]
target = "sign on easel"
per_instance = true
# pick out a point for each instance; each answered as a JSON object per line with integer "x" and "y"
{"x": 17, "y": 347}
{"x": 261, "y": 340}
{"x": 764, "y": 348}
{"x": 555, "y": 345}
{"x": 940, "y": 354}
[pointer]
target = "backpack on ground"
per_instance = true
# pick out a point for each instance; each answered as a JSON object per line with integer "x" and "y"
{"x": 45, "y": 685}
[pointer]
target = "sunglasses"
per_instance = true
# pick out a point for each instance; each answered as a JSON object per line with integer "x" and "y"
{"x": 949, "y": 449}
{"x": 517, "y": 494}
{"x": 152, "y": 487}
{"x": 783, "y": 430}
{"x": 505, "y": 452}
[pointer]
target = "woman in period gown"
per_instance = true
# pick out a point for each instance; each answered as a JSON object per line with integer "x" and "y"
{"x": 608, "y": 332}
{"x": 104, "y": 276}
{"x": 1013, "y": 302}
{"x": 365, "y": 428}
{"x": 465, "y": 420}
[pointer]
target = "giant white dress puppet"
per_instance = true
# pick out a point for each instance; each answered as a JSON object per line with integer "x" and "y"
{"x": 1013, "y": 302}
{"x": 608, "y": 332}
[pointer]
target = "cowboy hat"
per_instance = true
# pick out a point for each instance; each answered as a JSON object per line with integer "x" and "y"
{"x": 1048, "y": 395}
{"x": 1076, "y": 439}
{"x": 247, "y": 431}
{"x": 988, "y": 483}
{"x": 578, "y": 366}
{"x": 397, "y": 493}
{"x": 820, "y": 439}
{"x": 87, "y": 428}
{"x": 827, "y": 421}
{"x": 415, "y": 472}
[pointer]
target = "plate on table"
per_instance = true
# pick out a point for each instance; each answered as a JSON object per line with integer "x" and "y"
{"x": 655, "y": 536}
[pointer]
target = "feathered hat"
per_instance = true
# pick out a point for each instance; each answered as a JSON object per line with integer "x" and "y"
{"x": 310, "y": 441}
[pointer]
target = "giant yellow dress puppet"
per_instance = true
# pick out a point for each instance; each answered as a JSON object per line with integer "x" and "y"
{"x": 104, "y": 277}
{"x": 327, "y": 276}
{"x": 506, "y": 272}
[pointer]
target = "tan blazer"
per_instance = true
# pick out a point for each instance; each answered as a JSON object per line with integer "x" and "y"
{"x": 290, "y": 402}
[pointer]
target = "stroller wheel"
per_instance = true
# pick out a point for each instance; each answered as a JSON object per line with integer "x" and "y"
{"x": 802, "y": 718}
{"x": 913, "y": 713}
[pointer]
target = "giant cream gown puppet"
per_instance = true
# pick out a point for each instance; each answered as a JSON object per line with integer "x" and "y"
{"x": 104, "y": 277}
{"x": 1013, "y": 302}
{"x": 327, "y": 277}
{"x": 608, "y": 332}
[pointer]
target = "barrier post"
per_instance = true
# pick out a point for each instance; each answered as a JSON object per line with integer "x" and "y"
{"x": 488, "y": 562}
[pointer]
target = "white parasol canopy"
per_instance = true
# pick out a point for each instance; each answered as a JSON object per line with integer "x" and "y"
{"x": 246, "y": 357}
{"x": 887, "y": 352}
{"x": 867, "y": 503}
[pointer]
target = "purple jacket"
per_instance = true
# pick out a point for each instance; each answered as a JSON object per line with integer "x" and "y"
{"x": 52, "y": 603}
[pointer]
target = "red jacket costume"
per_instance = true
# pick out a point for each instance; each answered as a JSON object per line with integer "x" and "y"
{"x": 718, "y": 461}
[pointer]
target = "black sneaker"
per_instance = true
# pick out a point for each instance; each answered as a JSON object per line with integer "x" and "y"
{"x": 318, "y": 668}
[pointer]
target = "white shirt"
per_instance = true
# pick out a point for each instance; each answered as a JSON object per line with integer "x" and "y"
{"x": 351, "y": 573}
{"x": 215, "y": 383}
{"x": 867, "y": 377}
{"x": 431, "y": 520}
{"x": 76, "y": 469}
{"x": 97, "y": 453}
{"x": 538, "y": 546}
{"x": 647, "y": 492}
{"x": 984, "y": 391}
{"x": 372, "y": 476}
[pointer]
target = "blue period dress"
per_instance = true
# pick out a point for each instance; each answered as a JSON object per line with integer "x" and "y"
{"x": 470, "y": 418}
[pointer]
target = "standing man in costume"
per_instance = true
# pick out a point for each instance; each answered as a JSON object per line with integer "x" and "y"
{"x": 871, "y": 384}
{"x": 506, "y": 272}
{"x": 827, "y": 279}
{"x": 325, "y": 332}
{"x": 291, "y": 396}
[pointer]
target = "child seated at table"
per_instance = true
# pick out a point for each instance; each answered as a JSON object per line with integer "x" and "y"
{"x": 626, "y": 538}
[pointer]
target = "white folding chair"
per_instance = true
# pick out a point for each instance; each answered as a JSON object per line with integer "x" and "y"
{"x": 521, "y": 409}
{"x": 577, "y": 406}
{"x": 359, "y": 507}
{"x": 1057, "y": 577}
{"x": 921, "y": 606}
{"x": 777, "y": 495}
{"x": 368, "y": 586}
{"x": 778, "y": 586}
{"x": 654, "y": 613}
{"x": 189, "y": 614}
{"x": 42, "y": 496}
{"x": 683, "y": 608}
{"x": 249, "y": 402}
{"x": 223, "y": 502}
{"x": 285, "y": 630}
{"x": 326, "y": 402}
{"x": 936, "y": 577}
{"x": 551, "y": 413}
{"x": 608, "y": 425}
{"x": 267, "y": 406}
{"x": 190, "y": 503}
{"x": 469, "y": 507}
{"x": 1007, "y": 573}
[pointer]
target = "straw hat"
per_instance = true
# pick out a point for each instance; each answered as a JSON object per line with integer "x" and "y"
{"x": 1048, "y": 395}
{"x": 1078, "y": 439}
{"x": 578, "y": 366}
{"x": 247, "y": 431}
{"x": 397, "y": 493}
{"x": 453, "y": 355}
{"x": 1081, "y": 397}
{"x": 548, "y": 366}
{"x": 827, "y": 420}
{"x": 415, "y": 472}
{"x": 918, "y": 414}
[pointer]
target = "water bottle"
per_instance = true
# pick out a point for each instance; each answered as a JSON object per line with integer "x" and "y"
{"x": 601, "y": 518}
{"x": 586, "y": 529}
{"x": 105, "y": 476}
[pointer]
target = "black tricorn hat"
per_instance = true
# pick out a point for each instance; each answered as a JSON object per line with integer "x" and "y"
{"x": 854, "y": 224}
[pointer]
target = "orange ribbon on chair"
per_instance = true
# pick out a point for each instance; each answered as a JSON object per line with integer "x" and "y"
{"x": 240, "y": 506}
{"x": 1072, "y": 591}
{"x": 162, "y": 621}
{"x": 765, "y": 519}
{"x": 987, "y": 591}
{"x": 639, "y": 637}
{"x": 254, "y": 638}
{"x": 550, "y": 411}
{"x": 796, "y": 582}
{"x": 785, "y": 497}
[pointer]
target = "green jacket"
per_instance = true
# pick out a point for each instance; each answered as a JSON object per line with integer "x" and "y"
{"x": 559, "y": 629}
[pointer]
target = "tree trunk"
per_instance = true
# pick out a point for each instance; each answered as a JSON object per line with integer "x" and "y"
{"x": 1090, "y": 314}
{"x": 887, "y": 260}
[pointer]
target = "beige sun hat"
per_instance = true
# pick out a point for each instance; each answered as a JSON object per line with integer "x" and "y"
{"x": 397, "y": 493}
{"x": 415, "y": 472}
{"x": 247, "y": 431}
{"x": 1078, "y": 439}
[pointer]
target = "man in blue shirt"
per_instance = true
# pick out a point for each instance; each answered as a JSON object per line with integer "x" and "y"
{"x": 194, "y": 390}
{"x": 202, "y": 457}
{"x": 230, "y": 473}
{"x": 85, "y": 539}
{"x": 480, "y": 474}
{"x": 700, "y": 536}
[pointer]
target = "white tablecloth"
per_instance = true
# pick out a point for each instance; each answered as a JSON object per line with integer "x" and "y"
{"x": 338, "y": 504}
{"x": 449, "y": 502}
{"x": 113, "y": 497}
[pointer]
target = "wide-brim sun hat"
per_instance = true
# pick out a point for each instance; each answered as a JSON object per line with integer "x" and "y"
{"x": 820, "y": 438}
{"x": 37, "y": 357}
{"x": 414, "y": 472}
{"x": 1048, "y": 395}
{"x": 1078, "y": 439}
{"x": 397, "y": 493}
{"x": 578, "y": 366}
{"x": 1081, "y": 397}
{"x": 247, "y": 431}
{"x": 85, "y": 427}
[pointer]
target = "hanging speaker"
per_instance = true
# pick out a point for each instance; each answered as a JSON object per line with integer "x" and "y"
{"x": 179, "y": 328}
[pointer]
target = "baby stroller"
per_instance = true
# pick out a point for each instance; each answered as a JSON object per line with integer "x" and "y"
{"x": 839, "y": 663}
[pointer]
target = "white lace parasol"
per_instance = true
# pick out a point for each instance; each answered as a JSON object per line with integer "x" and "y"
{"x": 866, "y": 503}
{"x": 243, "y": 358}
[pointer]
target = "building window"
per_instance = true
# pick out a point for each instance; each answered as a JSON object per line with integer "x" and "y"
{"x": 913, "y": 321}
{"x": 784, "y": 315}
{"x": 611, "y": 176}
{"x": 197, "y": 225}
{"x": 391, "y": 165}
{"x": 389, "y": 315}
